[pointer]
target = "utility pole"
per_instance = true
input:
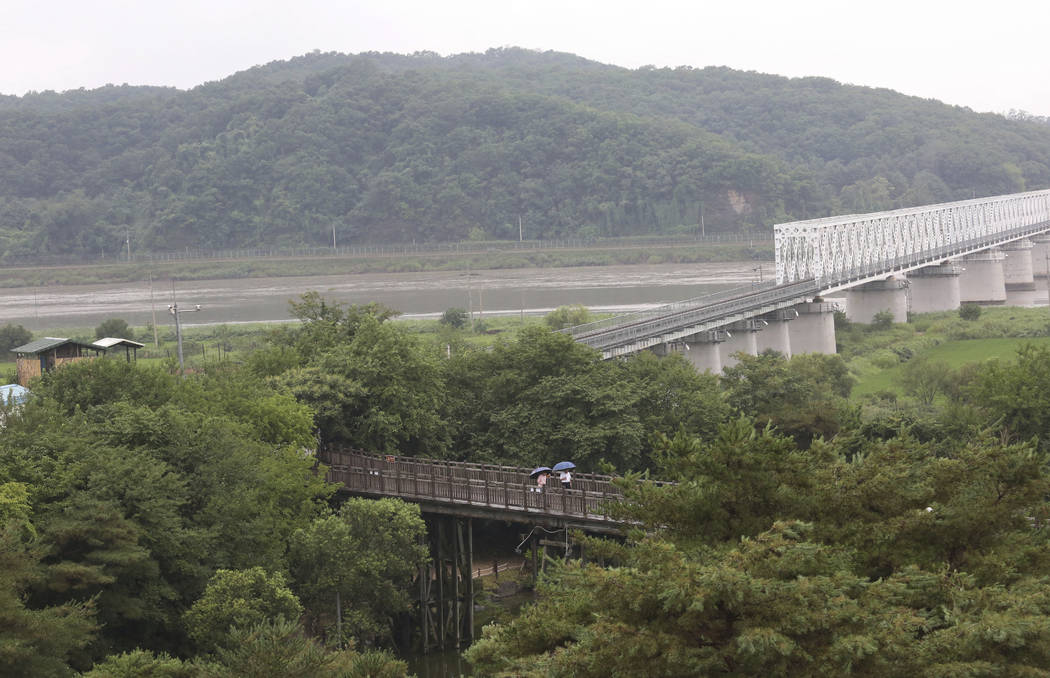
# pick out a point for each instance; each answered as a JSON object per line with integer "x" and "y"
{"x": 333, "y": 237}
{"x": 153, "y": 310}
{"x": 521, "y": 235}
{"x": 174, "y": 309}
{"x": 127, "y": 239}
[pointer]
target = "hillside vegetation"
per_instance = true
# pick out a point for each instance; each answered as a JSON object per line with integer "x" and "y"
{"x": 393, "y": 148}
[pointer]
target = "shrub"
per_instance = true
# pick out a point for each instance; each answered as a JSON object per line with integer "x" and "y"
{"x": 882, "y": 320}
{"x": 114, "y": 327}
{"x": 969, "y": 311}
{"x": 567, "y": 316}
{"x": 12, "y": 336}
{"x": 454, "y": 317}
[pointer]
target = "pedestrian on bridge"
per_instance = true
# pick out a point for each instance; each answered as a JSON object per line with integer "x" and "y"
{"x": 564, "y": 470}
{"x": 541, "y": 474}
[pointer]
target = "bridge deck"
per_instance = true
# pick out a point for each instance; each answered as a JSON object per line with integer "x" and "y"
{"x": 826, "y": 255}
{"x": 477, "y": 490}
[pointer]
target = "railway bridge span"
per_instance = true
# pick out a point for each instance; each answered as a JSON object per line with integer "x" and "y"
{"x": 918, "y": 259}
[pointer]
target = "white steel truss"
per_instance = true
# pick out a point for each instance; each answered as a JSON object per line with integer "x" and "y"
{"x": 839, "y": 250}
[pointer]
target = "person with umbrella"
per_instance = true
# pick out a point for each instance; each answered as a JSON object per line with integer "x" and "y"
{"x": 564, "y": 471}
{"x": 540, "y": 473}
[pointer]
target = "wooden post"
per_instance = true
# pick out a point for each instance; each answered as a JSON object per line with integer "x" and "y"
{"x": 339, "y": 617}
{"x": 441, "y": 580}
{"x": 535, "y": 564}
{"x": 424, "y": 602}
{"x": 470, "y": 579}
{"x": 457, "y": 535}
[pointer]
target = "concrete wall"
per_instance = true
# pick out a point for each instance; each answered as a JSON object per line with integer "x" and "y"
{"x": 1017, "y": 267}
{"x": 982, "y": 280}
{"x": 776, "y": 335}
{"x": 934, "y": 288}
{"x": 813, "y": 331}
{"x": 864, "y": 301}
{"x": 742, "y": 337}
{"x": 1040, "y": 254}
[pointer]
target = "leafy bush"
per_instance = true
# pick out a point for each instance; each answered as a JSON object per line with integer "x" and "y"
{"x": 454, "y": 317}
{"x": 114, "y": 327}
{"x": 567, "y": 316}
{"x": 12, "y": 336}
{"x": 969, "y": 311}
{"x": 882, "y": 320}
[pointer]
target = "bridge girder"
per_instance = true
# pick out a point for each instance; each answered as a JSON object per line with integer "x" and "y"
{"x": 843, "y": 251}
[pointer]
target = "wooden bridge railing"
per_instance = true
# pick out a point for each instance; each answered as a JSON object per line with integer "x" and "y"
{"x": 481, "y": 485}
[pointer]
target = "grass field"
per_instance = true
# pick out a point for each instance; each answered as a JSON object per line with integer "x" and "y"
{"x": 954, "y": 354}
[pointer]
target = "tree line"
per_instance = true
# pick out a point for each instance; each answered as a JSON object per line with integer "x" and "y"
{"x": 182, "y": 526}
{"x": 375, "y": 148}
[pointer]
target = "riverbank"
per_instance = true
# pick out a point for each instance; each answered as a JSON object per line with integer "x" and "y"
{"x": 594, "y": 254}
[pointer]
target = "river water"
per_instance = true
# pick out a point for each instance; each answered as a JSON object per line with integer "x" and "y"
{"x": 604, "y": 289}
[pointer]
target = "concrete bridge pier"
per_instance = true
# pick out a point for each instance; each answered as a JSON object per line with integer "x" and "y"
{"x": 863, "y": 302}
{"x": 1018, "y": 265}
{"x": 741, "y": 337}
{"x": 934, "y": 288}
{"x": 813, "y": 331}
{"x": 703, "y": 350}
{"x": 776, "y": 335}
{"x": 1040, "y": 255}
{"x": 982, "y": 280}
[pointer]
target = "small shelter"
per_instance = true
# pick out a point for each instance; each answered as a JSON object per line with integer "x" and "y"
{"x": 131, "y": 348}
{"x": 44, "y": 355}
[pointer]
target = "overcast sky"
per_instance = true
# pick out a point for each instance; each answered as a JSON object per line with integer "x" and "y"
{"x": 990, "y": 56}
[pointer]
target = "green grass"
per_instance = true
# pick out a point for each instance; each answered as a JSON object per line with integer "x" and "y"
{"x": 954, "y": 354}
{"x": 877, "y": 357}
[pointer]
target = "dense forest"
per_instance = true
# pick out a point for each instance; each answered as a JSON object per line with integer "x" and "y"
{"x": 153, "y": 524}
{"x": 388, "y": 148}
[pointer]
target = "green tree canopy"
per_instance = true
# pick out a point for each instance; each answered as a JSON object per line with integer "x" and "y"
{"x": 239, "y": 599}
{"x": 364, "y": 557}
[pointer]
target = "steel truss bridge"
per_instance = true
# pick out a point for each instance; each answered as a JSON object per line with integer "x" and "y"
{"x": 820, "y": 256}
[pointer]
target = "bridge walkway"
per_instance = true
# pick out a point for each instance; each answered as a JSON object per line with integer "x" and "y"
{"x": 471, "y": 490}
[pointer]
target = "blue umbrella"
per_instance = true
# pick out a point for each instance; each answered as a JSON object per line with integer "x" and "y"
{"x": 538, "y": 470}
{"x": 564, "y": 466}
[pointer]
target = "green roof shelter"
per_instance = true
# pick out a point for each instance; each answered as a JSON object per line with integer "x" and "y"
{"x": 44, "y": 355}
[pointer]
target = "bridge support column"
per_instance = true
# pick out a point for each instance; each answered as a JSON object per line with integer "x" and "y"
{"x": 776, "y": 335}
{"x": 703, "y": 350}
{"x": 1040, "y": 255}
{"x": 446, "y": 585}
{"x": 934, "y": 288}
{"x": 864, "y": 301}
{"x": 982, "y": 280}
{"x": 813, "y": 331}
{"x": 1017, "y": 267}
{"x": 741, "y": 337}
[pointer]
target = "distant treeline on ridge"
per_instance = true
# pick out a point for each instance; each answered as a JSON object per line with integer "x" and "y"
{"x": 385, "y": 148}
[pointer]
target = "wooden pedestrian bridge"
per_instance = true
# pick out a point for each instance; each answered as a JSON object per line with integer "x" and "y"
{"x": 470, "y": 490}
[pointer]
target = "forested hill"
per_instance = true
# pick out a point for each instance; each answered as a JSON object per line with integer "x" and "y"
{"x": 394, "y": 148}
